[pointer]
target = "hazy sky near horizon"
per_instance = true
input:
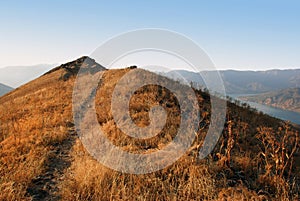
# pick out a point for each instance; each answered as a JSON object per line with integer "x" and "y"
{"x": 236, "y": 34}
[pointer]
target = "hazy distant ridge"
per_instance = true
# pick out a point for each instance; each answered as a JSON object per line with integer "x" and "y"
{"x": 4, "y": 89}
{"x": 16, "y": 76}
{"x": 288, "y": 99}
{"x": 247, "y": 82}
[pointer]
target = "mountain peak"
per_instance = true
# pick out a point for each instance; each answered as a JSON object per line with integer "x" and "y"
{"x": 73, "y": 67}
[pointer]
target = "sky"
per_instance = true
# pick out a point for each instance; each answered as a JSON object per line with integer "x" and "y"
{"x": 236, "y": 34}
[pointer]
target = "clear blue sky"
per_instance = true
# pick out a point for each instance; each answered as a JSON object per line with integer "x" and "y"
{"x": 237, "y": 34}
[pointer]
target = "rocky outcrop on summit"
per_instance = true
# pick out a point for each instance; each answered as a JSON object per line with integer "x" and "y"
{"x": 84, "y": 64}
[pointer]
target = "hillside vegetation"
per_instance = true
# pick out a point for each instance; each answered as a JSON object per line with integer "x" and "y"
{"x": 42, "y": 158}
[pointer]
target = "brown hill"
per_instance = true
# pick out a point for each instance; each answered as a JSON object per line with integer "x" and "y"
{"x": 42, "y": 158}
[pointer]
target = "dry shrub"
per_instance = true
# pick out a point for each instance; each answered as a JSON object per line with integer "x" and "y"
{"x": 239, "y": 193}
{"x": 277, "y": 151}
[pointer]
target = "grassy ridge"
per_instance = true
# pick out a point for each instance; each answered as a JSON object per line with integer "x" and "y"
{"x": 257, "y": 157}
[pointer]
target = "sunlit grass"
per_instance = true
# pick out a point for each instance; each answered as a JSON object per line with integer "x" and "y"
{"x": 245, "y": 164}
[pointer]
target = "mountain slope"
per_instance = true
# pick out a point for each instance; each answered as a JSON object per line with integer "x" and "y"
{"x": 288, "y": 99}
{"x": 247, "y": 82}
{"x": 42, "y": 158}
{"x": 36, "y": 128}
{"x": 4, "y": 89}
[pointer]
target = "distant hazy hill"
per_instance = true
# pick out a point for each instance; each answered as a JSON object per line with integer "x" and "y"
{"x": 247, "y": 82}
{"x": 288, "y": 99}
{"x": 16, "y": 76}
{"x": 4, "y": 89}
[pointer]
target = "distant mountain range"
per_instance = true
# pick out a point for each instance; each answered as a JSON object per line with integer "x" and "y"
{"x": 246, "y": 82}
{"x": 235, "y": 82}
{"x": 288, "y": 99}
{"x": 16, "y": 76}
{"x": 5, "y": 89}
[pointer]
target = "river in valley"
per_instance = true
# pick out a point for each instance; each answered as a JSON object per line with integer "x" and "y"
{"x": 272, "y": 111}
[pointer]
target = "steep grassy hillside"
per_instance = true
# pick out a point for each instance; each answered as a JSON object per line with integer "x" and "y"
{"x": 42, "y": 158}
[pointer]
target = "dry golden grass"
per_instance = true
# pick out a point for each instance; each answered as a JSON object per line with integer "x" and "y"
{"x": 89, "y": 180}
{"x": 31, "y": 122}
{"x": 257, "y": 157}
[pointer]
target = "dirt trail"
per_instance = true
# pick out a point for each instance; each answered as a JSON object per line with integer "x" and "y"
{"x": 45, "y": 186}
